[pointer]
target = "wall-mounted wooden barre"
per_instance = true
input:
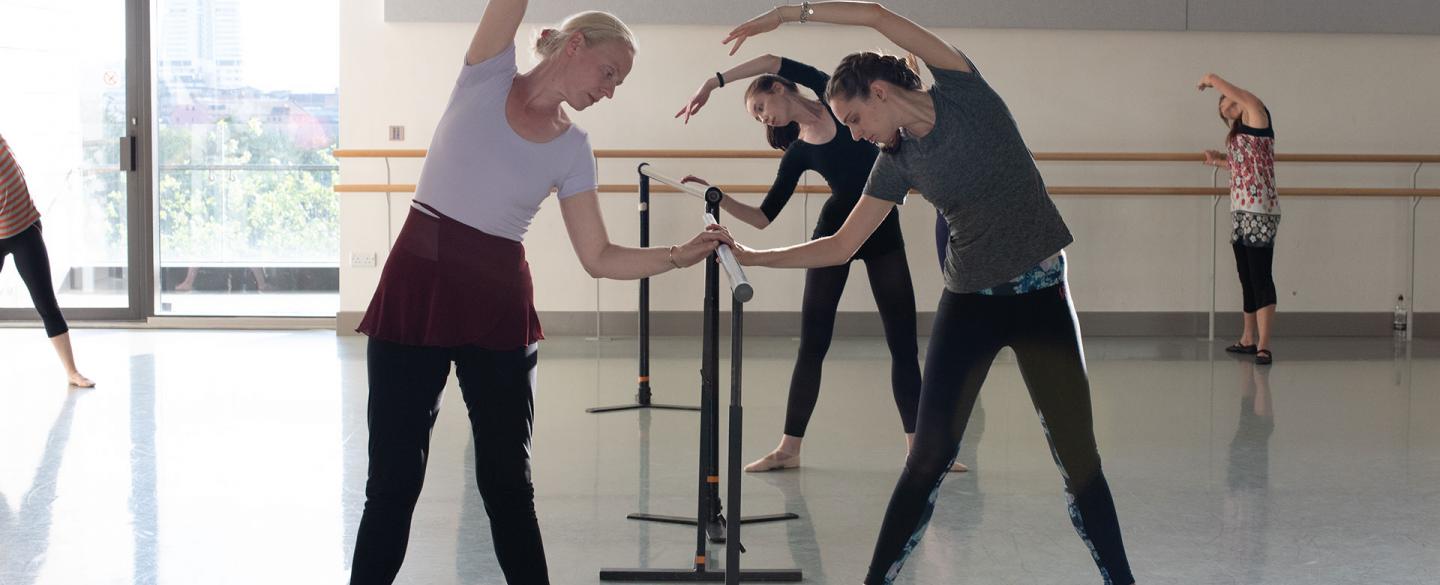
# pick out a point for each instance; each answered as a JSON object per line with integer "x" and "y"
{"x": 1097, "y": 191}
{"x": 1040, "y": 156}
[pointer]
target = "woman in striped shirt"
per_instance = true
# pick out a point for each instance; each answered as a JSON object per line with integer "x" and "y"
{"x": 20, "y": 235}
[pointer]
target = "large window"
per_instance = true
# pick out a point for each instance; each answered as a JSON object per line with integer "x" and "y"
{"x": 246, "y": 119}
{"x": 63, "y": 110}
{"x": 180, "y": 152}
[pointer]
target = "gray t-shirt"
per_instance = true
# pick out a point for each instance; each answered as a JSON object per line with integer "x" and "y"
{"x": 977, "y": 171}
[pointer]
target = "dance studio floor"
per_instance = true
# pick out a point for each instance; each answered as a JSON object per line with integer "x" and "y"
{"x": 209, "y": 457}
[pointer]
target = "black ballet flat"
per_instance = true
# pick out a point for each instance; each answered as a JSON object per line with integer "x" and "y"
{"x": 1264, "y": 357}
{"x": 1240, "y": 348}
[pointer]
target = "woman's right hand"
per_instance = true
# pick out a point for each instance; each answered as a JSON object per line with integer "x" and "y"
{"x": 695, "y": 179}
{"x": 697, "y": 101}
{"x": 1215, "y": 158}
{"x": 755, "y": 26}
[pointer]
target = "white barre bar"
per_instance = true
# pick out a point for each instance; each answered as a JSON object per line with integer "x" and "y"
{"x": 739, "y": 285}
{"x": 696, "y": 190}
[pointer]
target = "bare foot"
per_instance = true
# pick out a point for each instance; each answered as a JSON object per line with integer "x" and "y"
{"x": 776, "y": 460}
{"x": 80, "y": 381}
{"x": 958, "y": 467}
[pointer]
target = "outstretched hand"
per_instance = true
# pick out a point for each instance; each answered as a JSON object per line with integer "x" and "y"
{"x": 755, "y": 26}
{"x": 697, "y": 101}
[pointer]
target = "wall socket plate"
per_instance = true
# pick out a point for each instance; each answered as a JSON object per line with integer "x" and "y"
{"x": 362, "y": 260}
{"x": 397, "y": 133}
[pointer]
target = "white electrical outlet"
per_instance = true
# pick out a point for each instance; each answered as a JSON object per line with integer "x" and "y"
{"x": 397, "y": 133}
{"x": 362, "y": 260}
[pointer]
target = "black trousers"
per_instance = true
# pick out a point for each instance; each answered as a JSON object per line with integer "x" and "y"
{"x": 405, "y": 386}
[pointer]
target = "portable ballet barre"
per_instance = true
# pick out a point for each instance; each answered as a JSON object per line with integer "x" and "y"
{"x": 711, "y": 524}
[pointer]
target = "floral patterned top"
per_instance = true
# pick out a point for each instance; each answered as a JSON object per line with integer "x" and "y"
{"x": 1254, "y": 205}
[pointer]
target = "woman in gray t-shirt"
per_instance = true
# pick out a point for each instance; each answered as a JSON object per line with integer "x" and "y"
{"x": 958, "y": 145}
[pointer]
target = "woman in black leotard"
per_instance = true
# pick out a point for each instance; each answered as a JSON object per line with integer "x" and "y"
{"x": 813, "y": 139}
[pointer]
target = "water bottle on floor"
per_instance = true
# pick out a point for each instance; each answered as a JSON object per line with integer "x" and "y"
{"x": 1402, "y": 317}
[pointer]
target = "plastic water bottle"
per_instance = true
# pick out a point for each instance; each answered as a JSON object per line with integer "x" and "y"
{"x": 1402, "y": 320}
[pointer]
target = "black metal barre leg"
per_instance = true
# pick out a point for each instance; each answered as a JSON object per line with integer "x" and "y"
{"x": 642, "y": 393}
{"x": 708, "y": 506}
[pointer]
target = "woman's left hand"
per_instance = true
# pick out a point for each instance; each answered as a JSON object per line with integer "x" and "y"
{"x": 702, "y": 245}
{"x": 1215, "y": 158}
{"x": 755, "y": 26}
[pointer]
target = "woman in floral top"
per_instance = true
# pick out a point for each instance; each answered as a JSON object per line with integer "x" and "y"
{"x": 1254, "y": 208}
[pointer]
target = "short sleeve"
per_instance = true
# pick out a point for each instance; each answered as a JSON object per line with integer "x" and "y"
{"x": 500, "y": 66}
{"x": 888, "y": 180}
{"x": 582, "y": 175}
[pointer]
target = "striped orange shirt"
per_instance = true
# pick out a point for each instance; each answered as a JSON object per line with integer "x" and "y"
{"x": 17, "y": 211}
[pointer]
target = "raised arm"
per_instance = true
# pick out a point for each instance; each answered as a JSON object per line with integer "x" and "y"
{"x": 900, "y": 30}
{"x": 757, "y": 66}
{"x": 1255, "y": 116}
{"x": 604, "y": 259}
{"x": 497, "y": 29}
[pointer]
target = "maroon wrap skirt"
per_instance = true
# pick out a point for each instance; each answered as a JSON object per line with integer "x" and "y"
{"x": 447, "y": 284}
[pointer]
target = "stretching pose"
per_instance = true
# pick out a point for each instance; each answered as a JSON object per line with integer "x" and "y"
{"x": 1254, "y": 208}
{"x": 813, "y": 139}
{"x": 21, "y": 235}
{"x": 457, "y": 289}
{"x": 1005, "y": 284}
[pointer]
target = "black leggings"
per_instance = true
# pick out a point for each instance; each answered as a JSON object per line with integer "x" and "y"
{"x": 405, "y": 386}
{"x": 894, "y": 297}
{"x": 1257, "y": 284}
{"x": 969, "y": 331}
{"x": 33, "y": 262}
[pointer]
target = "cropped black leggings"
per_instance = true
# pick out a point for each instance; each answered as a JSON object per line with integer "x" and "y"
{"x": 33, "y": 262}
{"x": 1257, "y": 282}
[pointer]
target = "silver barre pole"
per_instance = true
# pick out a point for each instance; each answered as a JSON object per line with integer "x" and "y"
{"x": 739, "y": 285}
{"x": 695, "y": 190}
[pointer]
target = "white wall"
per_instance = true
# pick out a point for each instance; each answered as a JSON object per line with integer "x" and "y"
{"x": 1070, "y": 91}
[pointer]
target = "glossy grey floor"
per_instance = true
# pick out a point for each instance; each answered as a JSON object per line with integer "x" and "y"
{"x": 210, "y": 457}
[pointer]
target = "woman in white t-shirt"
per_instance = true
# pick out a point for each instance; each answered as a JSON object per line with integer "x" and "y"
{"x": 456, "y": 287}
